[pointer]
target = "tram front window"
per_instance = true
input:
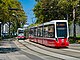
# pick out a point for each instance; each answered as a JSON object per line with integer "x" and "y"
{"x": 21, "y": 34}
{"x": 21, "y": 31}
{"x": 61, "y": 29}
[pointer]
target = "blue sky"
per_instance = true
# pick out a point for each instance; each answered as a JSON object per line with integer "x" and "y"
{"x": 28, "y": 5}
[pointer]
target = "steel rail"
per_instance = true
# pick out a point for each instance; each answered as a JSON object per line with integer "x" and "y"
{"x": 38, "y": 52}
{"x": 52, "y": 51}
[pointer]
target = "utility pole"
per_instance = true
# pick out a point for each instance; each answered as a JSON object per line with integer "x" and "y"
{"x": 74, "y": 22}
{"x": 74, "y": 25}
{"x": 0, "y": 30}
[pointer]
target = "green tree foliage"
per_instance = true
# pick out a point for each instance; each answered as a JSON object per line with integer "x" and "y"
{"x": 46, "y": 10}
{"x": 68, "y": 6}
{"x": 6, "y": 14}
{"x": 7, "y": 9}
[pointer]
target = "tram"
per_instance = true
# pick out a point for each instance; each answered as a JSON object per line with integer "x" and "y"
{"x": 54, "y": 33}
{"x": 20, "y": 33}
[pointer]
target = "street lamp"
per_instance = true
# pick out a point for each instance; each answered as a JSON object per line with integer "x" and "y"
{"x": 16, "y": 9}
{"x": 9, "y": 12}
{"x": 33, "y": 20}
{"x": 13, "y": 9}
{"x": 74, "y": 23}
{"x": 16, "y": 21}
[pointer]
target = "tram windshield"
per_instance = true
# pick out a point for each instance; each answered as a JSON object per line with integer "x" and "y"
{"x": 61, "y": 29}
{"x": 21, "y": 34}
{"x": 21, "y": 31}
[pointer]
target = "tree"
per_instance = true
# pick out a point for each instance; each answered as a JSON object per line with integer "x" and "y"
{"x": 46, "y": 10}
{"x": 75, "y": 10}
{"x": 68, "y": 6}
{"x": 6, "y": 14}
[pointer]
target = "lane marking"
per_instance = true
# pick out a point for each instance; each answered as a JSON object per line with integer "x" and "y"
{"x": 72, "y": 50}
{"x": 52, "y": 54}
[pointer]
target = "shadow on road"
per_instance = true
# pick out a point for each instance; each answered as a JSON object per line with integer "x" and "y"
{"x": 8, "y": 50}
{"x": 7, "y": 46}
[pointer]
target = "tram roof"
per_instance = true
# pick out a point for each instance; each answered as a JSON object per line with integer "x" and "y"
{"x": 58, "y": 21}
{"x": 20, "y": 29}
{"x": 33, "y": 27}
{"x": 51, "y": 22}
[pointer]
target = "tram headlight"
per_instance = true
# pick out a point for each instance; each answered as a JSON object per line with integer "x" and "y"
{"x": 67, "y": 40}
{"x": 62, "y": 40}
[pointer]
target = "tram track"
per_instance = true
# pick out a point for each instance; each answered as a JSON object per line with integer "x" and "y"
{"x": 20, "y": 52}
{"x": 71, "y": 55}
{"x": 39, "y": 52}
{"x": 75, "y": 48}
{"x": 27, "y": 53}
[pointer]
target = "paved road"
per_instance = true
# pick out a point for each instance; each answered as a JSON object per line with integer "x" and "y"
{"x": 10, "y": 50}
{"x": 13, "y": 50}
{"x": 34, "y": 55}
{"x": 64, "y": 53}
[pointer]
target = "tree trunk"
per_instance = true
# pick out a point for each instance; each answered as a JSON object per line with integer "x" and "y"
{"x": 0, "y": 30}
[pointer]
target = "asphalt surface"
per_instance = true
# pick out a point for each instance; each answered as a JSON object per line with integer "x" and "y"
{"x": 13, "y": 50}
{"x": 64, "y": 53}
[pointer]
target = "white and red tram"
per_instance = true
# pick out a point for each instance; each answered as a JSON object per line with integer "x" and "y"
{"x": 21, "y": 33}
{"x": 54, "y": 33}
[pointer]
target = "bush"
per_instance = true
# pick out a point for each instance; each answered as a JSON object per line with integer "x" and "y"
{"x": 0, "y": 38}
{"x": 71, "y": 39}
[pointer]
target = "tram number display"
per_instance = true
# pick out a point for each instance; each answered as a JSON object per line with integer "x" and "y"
{"x": 60, "y": 24}
{"x": 61, "y": 28}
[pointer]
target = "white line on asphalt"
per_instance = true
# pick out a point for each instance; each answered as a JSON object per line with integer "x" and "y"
{"x": 72, "y": 50}
{"x": 50, "y": 53}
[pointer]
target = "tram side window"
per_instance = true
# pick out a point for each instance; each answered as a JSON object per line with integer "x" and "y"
{"x": 51, "y": 31}
{"x": 31, "y": 32}
{"x": 40, "y": 32}
{"x": 46, "y": 31}
{"x": 41, "y": 29}
{"x": 35, "y": 32}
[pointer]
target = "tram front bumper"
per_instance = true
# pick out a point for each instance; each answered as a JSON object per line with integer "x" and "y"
{"x": 62, "y": 44}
